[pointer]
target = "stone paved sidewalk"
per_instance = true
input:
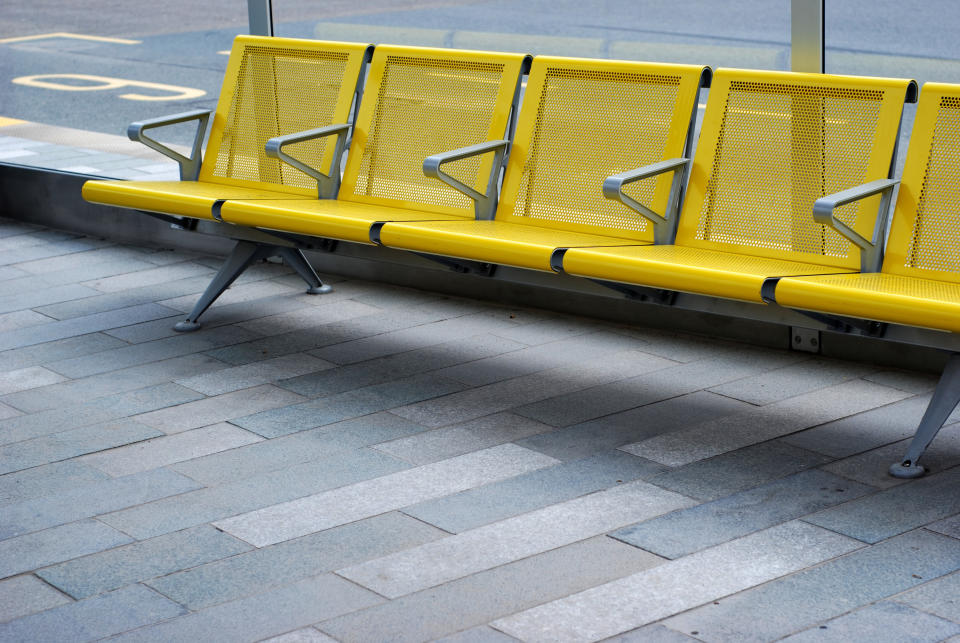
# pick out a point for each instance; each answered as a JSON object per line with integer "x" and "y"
{"x": 388, "y": 464}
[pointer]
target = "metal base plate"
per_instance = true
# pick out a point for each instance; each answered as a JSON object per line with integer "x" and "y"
{"x": 906, "y": 470}
{"x": 321, "y": 290}
{"x": 186, "y": 326}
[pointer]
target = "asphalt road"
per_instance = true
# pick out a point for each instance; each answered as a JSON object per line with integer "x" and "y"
{"x": 169, "y": 53}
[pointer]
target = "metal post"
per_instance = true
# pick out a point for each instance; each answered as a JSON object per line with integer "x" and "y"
{"x": 806, "y": 35}
{"x": 260, "y": 13}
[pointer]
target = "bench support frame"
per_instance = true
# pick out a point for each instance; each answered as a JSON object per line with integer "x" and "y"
{"x": 189, "y": 166}
{"x": 665, "y": 226}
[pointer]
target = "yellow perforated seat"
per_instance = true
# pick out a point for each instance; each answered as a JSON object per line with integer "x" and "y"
{"x": 272, "y": 87}
{"x": 919, "y": 284}
{"x": 417, "y": 101}
{"x": 581, "y": 121}
{"x": 771, "y": 144}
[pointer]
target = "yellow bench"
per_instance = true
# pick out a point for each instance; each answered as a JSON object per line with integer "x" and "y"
{"x": 919, "y": 283}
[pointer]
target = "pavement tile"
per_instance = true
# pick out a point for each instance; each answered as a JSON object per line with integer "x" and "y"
{"x": 480, "y": 634}
{"x": 884, "y": 621}
{"x": 94, "y": 618}
{"x": 142, "y": 278}
{"x": 738, "y": 470}
{"x": 57, "y": 350}
{"x": 550, "y": 330}
{"x": 905, "y": 380}
{"x": 327, "y": 442}
{"x": 251, "y": 493}
{"x": 387, "y": 493}
{"x": 384, "y": 369}
{"x": 440, "y": 444}
{"x": 238, "y": 293}
{"x": 220, "y": 408}
{"x": 327, "y": 312}
{"x": 948, "y": 527}
{"x": 795, "y": 379}
{"x": 652, "y": 634}
{"x": 897, "y": 510}
{"x": 303, "y": 635}
{"x": 55, "y": 545}
{"x": 675, "y": 586}
{"x": 650, "y": 419}
{"x": 27, "y": 378}
{"x": 732, "y": 432}
{"x": 513, "y": 539}
{"x": 22, "y": 595}
{"x": 49, "y": 249}
{"x": 531, "y": 491}
{"x": 940, "y": 597}
{"x": 90, "y": 500}
{"x": 257, "y": 617}
{"x": 140, "y": 561}
{"x": 169, "y": 449}
{"x": 101, "y": 302}
{"x": 80, "y": 260}
{"x": 70, "y": 444}
{"x": 684, "y": 532}
{"x": 46, "y": 480}
{"x": 488, "y": 595}
{"x": 825, "y": 591}
{"x": 256, "y": 373}
{"x": 21, "y": 319}
{"x": 277, "y": 565}
{"x": 343, "y": 406}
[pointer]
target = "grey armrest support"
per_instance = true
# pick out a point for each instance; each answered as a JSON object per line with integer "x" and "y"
{"x": 871, "y": 251}
{"x": 664, "y": 227}
{"x": 484, "y": 204}
{"x": 327, "y": 184}
{"x": 189, "y": 167}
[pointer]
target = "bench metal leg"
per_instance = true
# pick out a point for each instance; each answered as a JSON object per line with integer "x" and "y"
{"x": 945, "y": 399}
{"x": 240, "y": 258}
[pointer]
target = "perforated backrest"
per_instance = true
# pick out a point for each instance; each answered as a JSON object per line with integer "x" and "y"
{"x": 276, "y": 86}
{"x": 418, "y": 102}
{"x": 771, "y": 144}
{"x": 585, "y": 120}
{"x": 925, "y": 235}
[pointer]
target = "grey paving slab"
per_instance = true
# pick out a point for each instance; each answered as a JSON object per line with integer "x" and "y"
{"x": 24, "y": 595}
{"x": 363, "y": 499}
{"x": 790, "y": 381}
{"x": 684, "y": 532}
{"x": 140, "y": 561}
{"x": 550, "y": 330}
{"x": 612, "y": 431}
{"x": 940, "y": 597}
{"x": 148, "y": 352}
{"x": 281, "y": 564}
{"x": 155, "y": 275}
{"x": 37, "y": 298}
{"x": 46, "y": 480}
{"x": 343, "y": 406}
{"x": 24, "y": 284}
{"x": 652, "y": 634}
{"x": 55, "y": 545}
{"x": 439, "y": 444}
{"x": 897, "y": 510}
{"x": 27, "y": 378}
{"x": 112, "y": 383}
{"x": 169, "y": 449}
{"x": 739, "y": 470}
{"x": 50, "y": 249}
{"x": 79, "y": 260}
{"x": 485, "y": 596}
{"x": 90, "y": 500}
{"x": 11, "y": 272}
{"x": 107, "y": 302}
{"x": 94, "y": 618}
{"x": 884, "y": 621}
{"x": 732, "y": 432}
{"x": 240, "y": 293}
{"x": 324, "y": 312}
{"x": 251, "y": 493}
{"x": 905, "y": 380}
{"x": 825, "y": 591}
{"x": 21, "y": 319}
{"x": 256, "y": 617}
{"x": 376, "y": 371}
{"x": 328, "y": 442}
{"x": 531, "y": 491}
{"x": 69, "y": 444}
{"x": 648, "y": 596}
{"x": 8, "y": 411}
{"x": 871, "y": 467}
{"x": 513, "y": 539}
{"x": 479, "y": 634}
{"x": 249, "y": 375}
{"x": 219, "y": 408}
{"x": 303, "y": 635}
{"x": 949, "y": 526}
{"x": 57, "y": 350}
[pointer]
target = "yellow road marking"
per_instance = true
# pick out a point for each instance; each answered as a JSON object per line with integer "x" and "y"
{"x": 74, "y": 36}
{"x": 49, "y": 81}
{"x": 9, "y": 121}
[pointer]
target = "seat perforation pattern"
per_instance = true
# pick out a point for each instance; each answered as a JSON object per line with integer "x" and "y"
{"x": 780, "y": 148}
{"x": 279, "y": 91}
{"x": 585, "y": 131}
{"x": 900, "y": 285}
{"x": 426, "y": 106}
{"x": 935, "y": 241}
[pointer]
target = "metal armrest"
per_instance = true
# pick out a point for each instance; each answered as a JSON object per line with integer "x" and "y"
{"x": 484, "y": 204}
{"x": 664, "y": 227}
{"x": 189, "y": 167}
{"x": 327, "y": 184}
{"x": 871, "y": 251}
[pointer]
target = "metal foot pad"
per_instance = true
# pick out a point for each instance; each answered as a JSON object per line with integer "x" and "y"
{"x": 906, "y": 470}
{"x": 186, "y": 326}
{"x": 321, "y": 290}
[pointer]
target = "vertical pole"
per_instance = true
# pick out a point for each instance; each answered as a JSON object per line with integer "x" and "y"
{"x": 806, "y": 35}
{"x": 260, "y": 13}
